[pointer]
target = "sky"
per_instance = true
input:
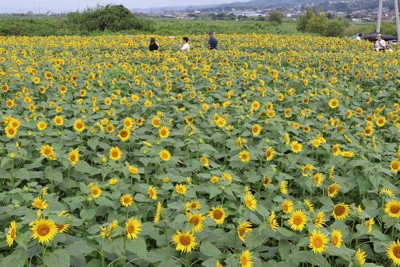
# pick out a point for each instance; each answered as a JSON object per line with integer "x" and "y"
{"x": 9, "y": 6}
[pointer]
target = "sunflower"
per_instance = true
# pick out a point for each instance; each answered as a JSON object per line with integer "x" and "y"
{"x": 126, "y": 200}
{"x": 370, "y": 223}
{"x": 133, "y": 228}
{"x": 250, "y": 201}
{"x": 58, "y": 120}
{"x": 319, "y": 179}
{"x": 62, "y": 228}
{"x": 40, "y": 203}
{"x": 380, "y": 121}
{"x": 10, "y": 131}
{"x": 41, "y": 125}
{"x": 163, "y": 132}
{"x": 44, "y": 230}
{"x": 283, "y": 188}
{"x": 244, "y": 156}
{"x": 128, "y": 123}
{"x": 395, "y": 166}
{"x": 386, "y": 191}
{"x": 287, "y": 139}
{"x": 270, "y": 153}
{"x": 197, "y": 221}
{"x": 266, "y": 181}
{"x": 318, "y": 242}
{"x": 245, "y": 259}
{"x": 115, "y": 153}
{"x": 221, "y": 122}
{"x": 204, "y": 160}
{"x": 392, "y": 208}
{"x": 73, "y": 156}
{"x": 336, "y": 238}
{"x": 124, "y": 135}
{"x": 287, "y": 206}
{"x": 273, "y": 224}
{"x": 320, "y": 219}
{"x": 341, "y": 211}
{"x": 12, "y": 233}
{"x": 96, "y": 191}
{"x": 217, "y": 214}
{"x": 243, "y": 229}
{"x": 227, "y": 176}
{"x": 298, "y": 220}
{"x": 360, "y": 256}
{"x": 158, "y": 212}
{"x": 296, "y": 147}
{"x": 79, "y": 126}
{"x": 133, "y": 170}
{"x": 255, "y": 105}
{"x": 393, "y": 252}
{"x": 192, "y": 204}
{"x": 334, "y": 103}
{"x": 336, "y": 150}
{"x": 152, "y": 192}
{"x": 185, "y": 242}
{"x": 165, "y": 155}
{"x": 180, "y": 189}
{"x": 333, "y": 189}
{"x": 256, "y": 129}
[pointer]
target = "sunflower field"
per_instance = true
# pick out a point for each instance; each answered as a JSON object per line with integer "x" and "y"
{"x": 271, "y": 151}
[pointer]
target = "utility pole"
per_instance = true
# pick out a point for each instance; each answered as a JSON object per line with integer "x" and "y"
{"x": 396, "y": 10}
{"x": 378, "y": 23}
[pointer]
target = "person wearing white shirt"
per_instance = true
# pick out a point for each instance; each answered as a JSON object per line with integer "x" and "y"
{"x": 380, "y": 44}
{"x": 184, "y": 46}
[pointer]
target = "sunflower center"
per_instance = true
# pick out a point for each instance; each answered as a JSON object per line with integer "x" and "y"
{"x": 335, "y": 240}
{"x": 95, "y": 191}
{"x": 317, "y": 242}
{"x": 13, "y": 233}
{"x": 127, "y": 200}
{"x": 115, "y": 154}
{"x": 184, "y": 240}
{"x": 217, "y": 214}
{"x": 244, "y": 261}
{"x": 124, "y": 134}
{"x": 242, "y": 231}
{"x": 194, "y": 220}
{"x": 396, "y": 252}
{"x": 395, "y": 166}
{"x": 60, "y": 226}
{"x": 339, "y": 210}
{"x": 395, "y": 209}
{"x": 297, "y": 220}
{"x": 43, "y": 230}
{"x": 131, "y": 228}
{"x": 331, "y": 190}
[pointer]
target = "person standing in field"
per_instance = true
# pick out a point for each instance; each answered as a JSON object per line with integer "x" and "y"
{"x": 212, "y": 42}
{"x": 153, "y": 45}
{"x": 380, "y": 44}
{"x": 184, "y": 46}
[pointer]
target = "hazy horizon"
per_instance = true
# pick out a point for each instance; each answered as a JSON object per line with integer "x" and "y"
{"x": 74, "y": 5}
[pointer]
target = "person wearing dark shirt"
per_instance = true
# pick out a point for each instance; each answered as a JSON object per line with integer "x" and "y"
{"x": 212, "y": 42}
{"x": 153, "y": 45}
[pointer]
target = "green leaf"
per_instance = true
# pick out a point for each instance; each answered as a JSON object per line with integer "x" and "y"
{"x": 78, "y": 248}
{"x": 285, "y": 232}
{"x": 210, "y": 250}
{"x": 55, "y": 176}
{"x": 59, "y": 258}
{"x": 22, "y": 174}
{"x": 84, "y": 167}
{"x": 16, "y": 259}
{"x": 4, "y": 162}
{"x": 137, "y": 246}
{"x": 103, "y": 201}
{"x": 93, "y": 142}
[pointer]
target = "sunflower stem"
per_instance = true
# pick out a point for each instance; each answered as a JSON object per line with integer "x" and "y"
{"x": 103, "y": 260}
{"x": 12, "y": 174}
{"x": 188, "y": 256}
{"x": 234, "y": 248}
{"x": 124, "y": 257}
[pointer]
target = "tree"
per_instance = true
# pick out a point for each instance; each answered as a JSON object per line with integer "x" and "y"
{"x": 275, "y": 16}
{"x": 303, "y": 20}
